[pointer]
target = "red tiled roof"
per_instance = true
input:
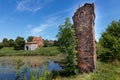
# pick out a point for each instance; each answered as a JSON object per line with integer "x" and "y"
{"x": 37, "y": 40}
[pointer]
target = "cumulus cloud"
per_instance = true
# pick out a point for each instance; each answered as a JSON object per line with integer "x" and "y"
{"x": 31, "y": 5}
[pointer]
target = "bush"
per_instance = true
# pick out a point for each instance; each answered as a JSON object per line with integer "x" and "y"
{"x": 67, "y": 45}
{"x": 108, "y": 47}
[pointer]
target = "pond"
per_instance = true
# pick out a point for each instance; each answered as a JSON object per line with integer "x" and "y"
{"x": 8, "y": 71}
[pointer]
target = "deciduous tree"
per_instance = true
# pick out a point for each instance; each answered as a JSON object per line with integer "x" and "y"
{"x": 11, "y": 43}
{"x": 19, "y": 43}
{"x": 30, "y": 38}
{"x": 5, "y": 42}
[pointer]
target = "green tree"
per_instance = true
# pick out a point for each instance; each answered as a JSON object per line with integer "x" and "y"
{"x": 19, "y": 43}
{"x": 67, "y": 45}
{"x": 1, "y": 45}
{"x": 11, "y": 43}
{"x": 5, "y": 42}
{"x": 108, "y": 48}
{"x": 30, "y": 38}
{"x": 47, "y": 43}
{"x": 56, "y": 43}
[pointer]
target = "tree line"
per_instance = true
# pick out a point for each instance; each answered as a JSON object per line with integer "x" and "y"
{"x": 19, "y": 42}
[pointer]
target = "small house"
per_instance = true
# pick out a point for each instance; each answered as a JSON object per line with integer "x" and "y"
{"x": 34, "y": 44}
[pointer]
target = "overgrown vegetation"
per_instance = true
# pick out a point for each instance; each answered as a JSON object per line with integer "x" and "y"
{"x": 46, "y": 51}
{"x": 104, "y": 71}
{"x": 108, "y": 47}
{"x": 47, "y": 43}
{"x": 67, "y": 45}
{"x": 33, "y": 74}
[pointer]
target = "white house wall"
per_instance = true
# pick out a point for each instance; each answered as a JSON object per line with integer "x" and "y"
{"x": 31, "y": 46}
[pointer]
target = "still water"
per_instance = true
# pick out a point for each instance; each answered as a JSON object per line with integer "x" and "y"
{"x": 8, "y": 72}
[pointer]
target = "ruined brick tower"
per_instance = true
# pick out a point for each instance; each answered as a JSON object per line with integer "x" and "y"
{"x": 84, "y": 29}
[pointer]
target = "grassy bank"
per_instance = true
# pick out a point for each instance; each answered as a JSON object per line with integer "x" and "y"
{"x": 104, "y": 71}
{"x": 46, "y": 51}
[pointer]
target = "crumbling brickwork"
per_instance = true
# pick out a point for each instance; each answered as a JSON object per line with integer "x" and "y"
{"x": 84, "y": 29}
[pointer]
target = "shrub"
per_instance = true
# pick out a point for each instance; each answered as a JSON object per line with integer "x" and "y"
{"x": 34, "y": 74}
{"x": 109, "y": 43}
{"x": 67, "y": 45}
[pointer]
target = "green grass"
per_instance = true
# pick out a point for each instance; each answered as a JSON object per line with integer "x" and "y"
{"x": 104, "y": 71}
{"x": 46, "y": 51}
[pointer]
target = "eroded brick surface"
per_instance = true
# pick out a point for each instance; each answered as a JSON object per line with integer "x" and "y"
{"x": 84, "y": 29}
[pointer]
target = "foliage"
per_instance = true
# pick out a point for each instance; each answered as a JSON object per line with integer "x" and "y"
{"x": 67, "y": 45}
{"x": 19, "y": 43}
{"x": 64, "y": 35}
{"x": 34, "y": 74}
{"x": 109, "y": 43}
{"x": 45, "y": 74}
{"x": 11, "y": 43}
{"x": 56, "y": 43}
{"x": 1, "y": 45}
{"x": 46, "y": 51}
{"x": 5, "y": 42}
{"x": 47, "y": 43}
{"x": 30, "y": 38}
{"x": 19, "y": 65}
{"x": 104, "y": 71}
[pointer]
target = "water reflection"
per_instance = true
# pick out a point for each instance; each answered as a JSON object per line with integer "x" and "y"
{"x": 8, "y": 72}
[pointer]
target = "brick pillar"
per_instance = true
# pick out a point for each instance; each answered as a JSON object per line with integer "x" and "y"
{"x": 84, "y": 29}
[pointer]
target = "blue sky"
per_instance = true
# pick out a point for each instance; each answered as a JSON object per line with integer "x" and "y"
{"x": 42, "y": 17}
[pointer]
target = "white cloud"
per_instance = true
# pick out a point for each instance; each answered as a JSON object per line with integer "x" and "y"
{"x": 31, "y": 5}
{"x": 39, "y": 29}
{"x": 49, "y": 23}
